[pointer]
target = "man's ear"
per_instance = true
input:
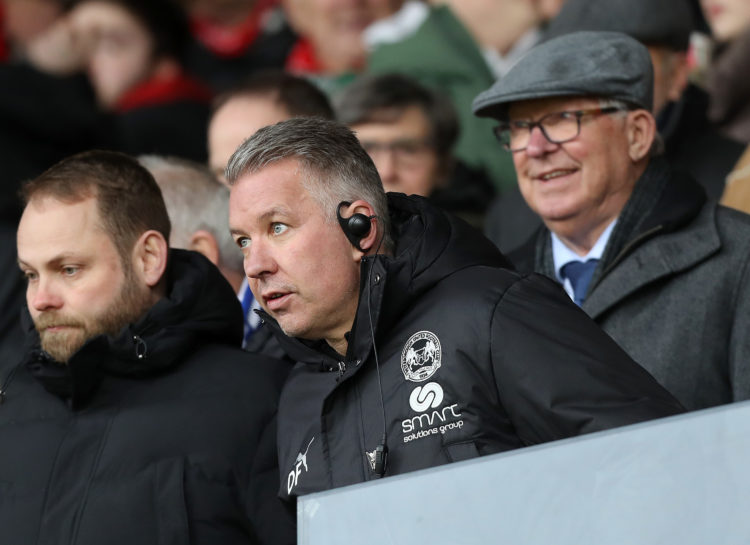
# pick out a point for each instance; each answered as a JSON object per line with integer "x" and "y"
{"x": 370, "y": 241}
{"x": 150, "y": 257}
{"x": 641, "y": 132}
{"x": 205, "y": 243}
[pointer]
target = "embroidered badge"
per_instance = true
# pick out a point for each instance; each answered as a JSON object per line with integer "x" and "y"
{"x": 420, "y": 358}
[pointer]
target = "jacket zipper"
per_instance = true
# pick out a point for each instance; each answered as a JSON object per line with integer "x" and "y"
{"x": 141, "y": 350}
{"x": 8, "y": 380}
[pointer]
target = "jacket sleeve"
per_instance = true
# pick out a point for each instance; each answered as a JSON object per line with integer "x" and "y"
{"x": 558, "y": 374}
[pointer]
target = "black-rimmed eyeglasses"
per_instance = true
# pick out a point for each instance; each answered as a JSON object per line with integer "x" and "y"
{"x": 557, "y": 127}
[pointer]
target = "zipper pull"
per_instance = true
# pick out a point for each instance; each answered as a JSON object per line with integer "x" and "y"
{"x": 342, "y": 368}
{"x": 140, "y": 347}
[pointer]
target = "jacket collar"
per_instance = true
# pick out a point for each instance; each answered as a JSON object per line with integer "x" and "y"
{"x": 679, "y": 232}
{"x": 430, "y": 245}
{"x": 200, "y": 305}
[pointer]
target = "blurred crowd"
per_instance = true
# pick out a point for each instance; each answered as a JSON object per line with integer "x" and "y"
{"x": 141, "y": 77}
{"x": 181, "y": 84}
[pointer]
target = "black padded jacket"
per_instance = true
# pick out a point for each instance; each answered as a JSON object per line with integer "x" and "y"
{"x": 165, "y": 433}
{"x": 473, "y": 358}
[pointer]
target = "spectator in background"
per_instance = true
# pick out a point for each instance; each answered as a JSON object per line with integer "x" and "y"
{"x": 263, "y": 99}
{"x": 198, "y": 207}
{"x": 460, "y": 47}
{"x": 47, "y": 110}
{"x": 330, "y": 48}
{"x": 134, "y": 417}
{"x": 410, "y": 131}
{"x": 637, "y": 245}
{"x": 234, "y": 38}
{"x": 549, "y": 9}
{"x": 691, "y": 142}
{"x": 22, "y": 22}
{"x": 132, "y": 53}
{"x": 737, "y": 192}
{"x": 729, "y": 21}
{"x": 727, "y": 81}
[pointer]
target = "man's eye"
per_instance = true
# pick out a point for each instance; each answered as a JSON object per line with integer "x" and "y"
{"x": 278, "y": 228}
{"x": 243, "y": 242}
{"x": 29, "y": 275}
{"x": 69, "y": 270}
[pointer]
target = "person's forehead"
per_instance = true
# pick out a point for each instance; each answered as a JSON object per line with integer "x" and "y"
{"x": 106, "y": 15}
{"x": 533, "y": 109}
{"x": 410, "y": 122}
{"x": 242, "y": 116}
{"x": 277, "y": 186}
{"x": 51, "y": 225}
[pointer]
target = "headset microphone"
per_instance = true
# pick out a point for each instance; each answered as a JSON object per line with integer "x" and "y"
{"x": 355, "y": 227}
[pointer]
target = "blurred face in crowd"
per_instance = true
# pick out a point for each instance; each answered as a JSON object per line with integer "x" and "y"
{"x": 24, "y": 20}
{"x": 335, "y": 27}
{"x": 234, "y": 122}
{"x": 670, "y": 75}
{"x": 228, "y": 12}
{"x": 299, "y": 264}
{"x": 119, "y": 49}
{"x": 401, "y": 148}
{"x": 549, "y": 8}
{"x": 585, "y": 181}
{"x": 726, "y": 18}
{"x": 78, "y": 286}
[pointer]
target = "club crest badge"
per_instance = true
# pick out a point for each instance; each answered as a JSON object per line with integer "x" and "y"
{"x": 420, "y": 358}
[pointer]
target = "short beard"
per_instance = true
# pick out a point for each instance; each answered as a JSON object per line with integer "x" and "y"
{"x": 129, "y": 305}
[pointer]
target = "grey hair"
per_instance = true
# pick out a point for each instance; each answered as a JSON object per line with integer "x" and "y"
{"x": 334, "y": 165}
{"x": 657, "y": 146}
{"x": 195, "y": 200}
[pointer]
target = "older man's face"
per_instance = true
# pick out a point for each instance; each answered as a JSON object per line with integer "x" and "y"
{"x": 587, "y": 178}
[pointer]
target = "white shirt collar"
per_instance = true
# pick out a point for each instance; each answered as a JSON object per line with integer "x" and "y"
{"x": 562, "y": 255}
{"x": 398, "y": 26}
{"x": 501, "y": 64}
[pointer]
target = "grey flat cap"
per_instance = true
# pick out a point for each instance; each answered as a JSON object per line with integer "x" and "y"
{"x": 602, "y": 64}
{"x": 663, "y": 23}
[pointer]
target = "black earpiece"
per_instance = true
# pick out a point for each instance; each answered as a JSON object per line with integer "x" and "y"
{"x": 355, "y": 227}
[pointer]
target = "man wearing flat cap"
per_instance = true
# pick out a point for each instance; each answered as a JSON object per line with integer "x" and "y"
{"x": 636, "y": 244}
{"x": 691, "y": 142}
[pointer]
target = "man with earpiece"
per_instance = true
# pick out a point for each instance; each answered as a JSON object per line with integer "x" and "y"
{"x": 417, "y": 343}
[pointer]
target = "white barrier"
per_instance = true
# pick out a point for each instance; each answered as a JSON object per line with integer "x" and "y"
{"x": 682, "y": 480}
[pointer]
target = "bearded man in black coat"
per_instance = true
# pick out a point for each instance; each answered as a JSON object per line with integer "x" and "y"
{"x": 134, "y": 416}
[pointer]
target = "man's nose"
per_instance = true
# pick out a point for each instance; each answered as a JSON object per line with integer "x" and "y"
{"x": 42, "y": 295}
{"x": 258, "y": 260}
{"x": 538, "y": 144}
{"x": 385, "y": 162}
